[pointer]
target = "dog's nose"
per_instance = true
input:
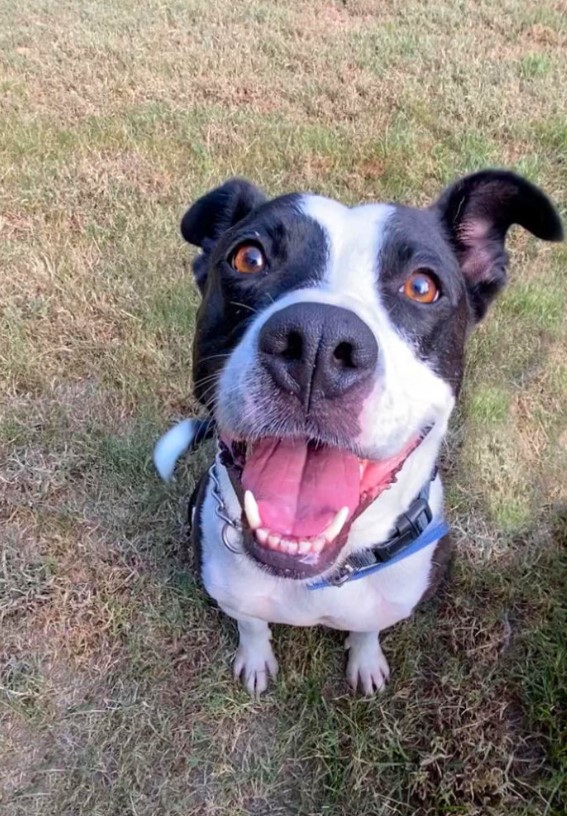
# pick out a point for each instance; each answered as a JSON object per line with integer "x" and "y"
{"x": 317, "y": 350}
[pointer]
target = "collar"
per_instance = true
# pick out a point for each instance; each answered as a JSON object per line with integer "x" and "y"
{"x": 413, "y": 530}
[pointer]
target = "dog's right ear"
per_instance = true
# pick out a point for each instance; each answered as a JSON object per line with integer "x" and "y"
{"x": 214, "y": 213}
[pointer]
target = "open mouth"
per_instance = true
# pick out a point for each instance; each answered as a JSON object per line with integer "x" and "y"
{"x": 300, "y": 498}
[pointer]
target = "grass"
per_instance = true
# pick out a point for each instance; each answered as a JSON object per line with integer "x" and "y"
{"x": 115, "y": 693}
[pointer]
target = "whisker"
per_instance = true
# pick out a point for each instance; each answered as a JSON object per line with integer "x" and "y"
{"x": 244, "y": 306}
{"x": 223, "y": 355}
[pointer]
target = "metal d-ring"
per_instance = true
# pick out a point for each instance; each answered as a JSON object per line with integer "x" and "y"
{"x": 225, "y": 540}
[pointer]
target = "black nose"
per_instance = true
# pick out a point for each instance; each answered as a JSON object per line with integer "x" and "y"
{"x": 316, "y": 350}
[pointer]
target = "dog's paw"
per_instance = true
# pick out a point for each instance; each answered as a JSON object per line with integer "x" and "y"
{"x": 367, "y": 668}
{"x": 255, "y": 664}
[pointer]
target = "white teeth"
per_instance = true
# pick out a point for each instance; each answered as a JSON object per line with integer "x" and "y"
{"x": 336, "y": 525}
{"x": 318, "y": 545}
{"x": 304, "y": 546}
{"x": 274, "y": 541}
{"x": 291, "y": 547}
{"x": 251, "y": 510}
{"x": 262, "y": 535}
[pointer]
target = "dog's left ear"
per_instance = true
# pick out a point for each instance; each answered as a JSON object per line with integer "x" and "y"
{"x": 214, "y": 213}
{"x": 477, "y": 212}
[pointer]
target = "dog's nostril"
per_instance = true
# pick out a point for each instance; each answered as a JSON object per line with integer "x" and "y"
{"x": 343, "y": 355}
{"x": 294, "y": 348}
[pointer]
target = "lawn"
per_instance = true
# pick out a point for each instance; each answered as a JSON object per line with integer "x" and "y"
{"x": 115, "y": 691}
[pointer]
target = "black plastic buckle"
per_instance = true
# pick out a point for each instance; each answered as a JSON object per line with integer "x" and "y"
{"x": 416, "y": 519}
{"x": 409, "y": 527}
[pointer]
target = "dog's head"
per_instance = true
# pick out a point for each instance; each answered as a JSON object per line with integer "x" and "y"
{"x": 330, "y": 344}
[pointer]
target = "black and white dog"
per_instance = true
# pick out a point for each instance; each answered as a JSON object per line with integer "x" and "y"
{"x": 329, "y": 351}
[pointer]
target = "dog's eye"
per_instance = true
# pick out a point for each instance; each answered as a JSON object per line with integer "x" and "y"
{"x": 248, "y": 259}
{"x": 421, "y": 286}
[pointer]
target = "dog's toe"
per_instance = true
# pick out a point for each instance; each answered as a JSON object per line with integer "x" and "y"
{"x": 255, "y": 667}
{"x": 367, "y": 679}
{"x": 367, "y": 668}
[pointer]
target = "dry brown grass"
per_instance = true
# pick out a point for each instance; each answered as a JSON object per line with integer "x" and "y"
{"x": 115, "y": 696}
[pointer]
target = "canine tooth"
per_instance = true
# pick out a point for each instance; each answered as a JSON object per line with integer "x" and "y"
{"x": 303, "y": 546}
{"x": 251, "y": 510}
{"x": 262, "y": 535}
{"x": 274, "y": 541}
{"x": 336, "y": 525}
{"x": 318, "y": 545}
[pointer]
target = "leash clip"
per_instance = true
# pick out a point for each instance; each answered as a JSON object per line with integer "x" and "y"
{"x": 344, "y": 575}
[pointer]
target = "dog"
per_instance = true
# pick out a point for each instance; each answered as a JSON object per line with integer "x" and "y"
{"x": 329, "y": 352}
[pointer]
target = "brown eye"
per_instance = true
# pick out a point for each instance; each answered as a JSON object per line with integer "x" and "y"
{"x": 421, "y": 286}
{"x": 248, "y": 259}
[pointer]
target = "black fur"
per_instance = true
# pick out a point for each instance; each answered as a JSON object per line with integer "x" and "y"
{"x": 214, "y": 214}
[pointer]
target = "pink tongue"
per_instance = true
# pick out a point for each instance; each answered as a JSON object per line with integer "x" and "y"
{"x": 299, "y": 488}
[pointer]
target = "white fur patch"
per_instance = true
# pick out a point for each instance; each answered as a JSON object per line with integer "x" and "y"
{"x": 172, "y": 445}
{"x": 354, "y": 238}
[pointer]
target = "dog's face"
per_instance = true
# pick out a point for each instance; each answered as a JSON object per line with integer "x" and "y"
{"x": 330, "y": 344}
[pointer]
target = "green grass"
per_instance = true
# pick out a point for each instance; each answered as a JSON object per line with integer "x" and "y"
{"x": 115, "y": 690}
{"x": 534, "y": 65}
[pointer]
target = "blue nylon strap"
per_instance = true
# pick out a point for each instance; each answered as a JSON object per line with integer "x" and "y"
{"x": 433, "y": 532}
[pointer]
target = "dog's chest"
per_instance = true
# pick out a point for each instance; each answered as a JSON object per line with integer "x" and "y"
{"x": 244, "y": 591}
{"x": 241, "y": 594}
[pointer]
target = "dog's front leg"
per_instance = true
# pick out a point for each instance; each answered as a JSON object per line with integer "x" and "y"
{"x": 367, "y": 668}
{"x": 255, "y": 661}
